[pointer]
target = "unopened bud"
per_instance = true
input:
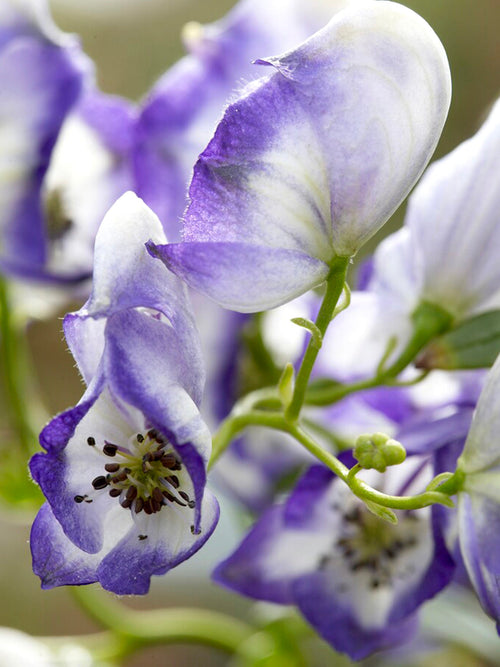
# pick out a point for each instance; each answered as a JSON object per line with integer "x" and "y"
{"x": 378, "y": 451}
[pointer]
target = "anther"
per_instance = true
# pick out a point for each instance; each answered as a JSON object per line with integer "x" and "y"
{"x": 112, "y": 467}
{"x": 131, "y": 493}
{"x": 139, "y": 504}
{"x": 157, "y": 495}
{"x": 110, "y": 449}
{"x": 168, "y": 460}
{"x": 148, "y": 507}
{"x": 114, "y": 493}
{"x": 99, "y": 483}
{"x": 140, "y": 438}
{"x": 91, "y": 441}
{"x": 174, "y": 481}
{"x": 121, "y": 477}
{"x": 143, "y": 537}
{"x": 126, "y": 502}
{"x": 79, "y": 499}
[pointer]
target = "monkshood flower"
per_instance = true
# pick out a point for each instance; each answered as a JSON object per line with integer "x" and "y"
{"x": 76, "y": 193}
{"x": 452, "y": 214}
{"x": 356, "y": 579}
{"x": 42, "y": 73}
{"x": 310, "y": 161}
{"x": 124, "y": 470}
{"x": 479, "y": 497}
{"x": 181, "y": 112}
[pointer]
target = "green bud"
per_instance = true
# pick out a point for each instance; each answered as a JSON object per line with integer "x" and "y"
{"x": 378, "y": 451}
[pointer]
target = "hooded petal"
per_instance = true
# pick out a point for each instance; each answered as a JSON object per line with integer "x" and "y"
{"x": 305, "y": 159}
{"x": 462, "y": 192}
{"x": 180, "y": 114}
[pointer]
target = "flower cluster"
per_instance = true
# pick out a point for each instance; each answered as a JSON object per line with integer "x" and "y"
{"x": 253, "y": 172}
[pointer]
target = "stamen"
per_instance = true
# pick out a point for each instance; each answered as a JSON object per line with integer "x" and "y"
{"x": 110, "y": 449}
{"x": 112, "y": 467}
{"x": 114, "y": 493}
{"x": 91, "y": 441}
{"x": 140, "y": 438}
{"x": 79, "y": 499}
{"x": 100, "y": 482}
{"x": 143, "y": 537}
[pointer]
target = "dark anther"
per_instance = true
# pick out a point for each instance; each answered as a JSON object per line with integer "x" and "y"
{"x": 126, "y": 502}
{"x": 131, "y": 492}
{"x": 157, "y": 495}
{"x": 191, "y": 504}
{"x": 152, "y": 434}
{"x": 168, "y": 496}
{"x": 114, "y": 493}
{"x": 139, "y": 504}
{"x": 91, "y": 441}
{"x": 109, "y": 449}
{"x": 112, "y": 467}
{"x": 88, "y": 500}
{"x": 174, "y": 480}
{"x": 155, "y": 504}
{"x": 184, "y": 496}
{"x": 148, "y": 507}
{"x": 143, "y": 537}
{"x": 168, "y": 460}
{"x": 99, "y": 482}
{"x": 79, "y": 499}
{"x": 121, "y": 477}
{"x": 195, "y": 532}
{"x": 140, "y": 438}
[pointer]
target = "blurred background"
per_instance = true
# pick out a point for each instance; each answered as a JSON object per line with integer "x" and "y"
{"x": 132, "y": 43}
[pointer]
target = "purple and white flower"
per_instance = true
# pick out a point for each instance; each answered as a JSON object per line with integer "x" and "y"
{"x": 124, "y": 471}
{"x": 479, "y": 498}
{"x": 356, "y": 579}
{"x": 452, "y": 214}
{"x": 311, "y": 160}
{"x": 42, "y": 74}
{"x": 180, "y": 113}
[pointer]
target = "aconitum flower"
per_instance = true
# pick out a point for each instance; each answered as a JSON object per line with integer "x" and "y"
{"x": 356, "y": 579}
{"x": 310, "y": 161}
{"x": 124, "y": 470}
{"x": 180, "y": 114}
{"x": 479, "y": 497}
{"x": 452, "y": 214}
{"x": 42, "y": 72}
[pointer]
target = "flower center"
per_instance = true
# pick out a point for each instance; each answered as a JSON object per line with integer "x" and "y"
{"x": 142, "y": 475}
{"x": 368, "y": 544}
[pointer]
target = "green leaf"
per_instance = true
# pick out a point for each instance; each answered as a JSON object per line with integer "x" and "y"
{"x": 474, "y": 343}
{"x": 383, "y": 513}
{"x": 317, "y": 336}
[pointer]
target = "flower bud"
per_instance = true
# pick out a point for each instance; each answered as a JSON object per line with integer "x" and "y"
{"x": 378, "y": 451}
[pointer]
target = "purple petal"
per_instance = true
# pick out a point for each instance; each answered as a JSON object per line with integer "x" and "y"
{"x": 275, "y": 275}
{"x": 56, "y": 560}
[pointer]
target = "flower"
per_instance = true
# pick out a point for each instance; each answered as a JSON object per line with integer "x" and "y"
{"x": 42, "y": 74}
{"x": 180, "y": 113}
{"x": 124, "y": 471}
{"x": 302, "y": 167}
{"x": 479, "y": 497}
{"x": 356, "y": 579}
{"x": 452, "y": 213}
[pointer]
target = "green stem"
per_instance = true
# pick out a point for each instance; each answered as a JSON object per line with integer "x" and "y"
{"x": 164, "y": 626}
{"x": 15, "y": 369}
{"x": 334, "y": 287}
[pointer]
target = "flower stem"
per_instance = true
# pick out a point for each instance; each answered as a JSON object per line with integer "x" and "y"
{"x": 334, "y": 287}
{"x": 163, "y": 626}
{"x": 15, "y": 371}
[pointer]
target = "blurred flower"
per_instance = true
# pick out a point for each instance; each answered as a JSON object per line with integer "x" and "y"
{"x": 479, "y": 498}
{"x": 356, "y": 579}
{"x": 301, "y": 169}
{"x": 18, "y": 648}
{"x": 42, "y": 73}
{"x": 125, "y": 469}
{"x": 452, "y": 214}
